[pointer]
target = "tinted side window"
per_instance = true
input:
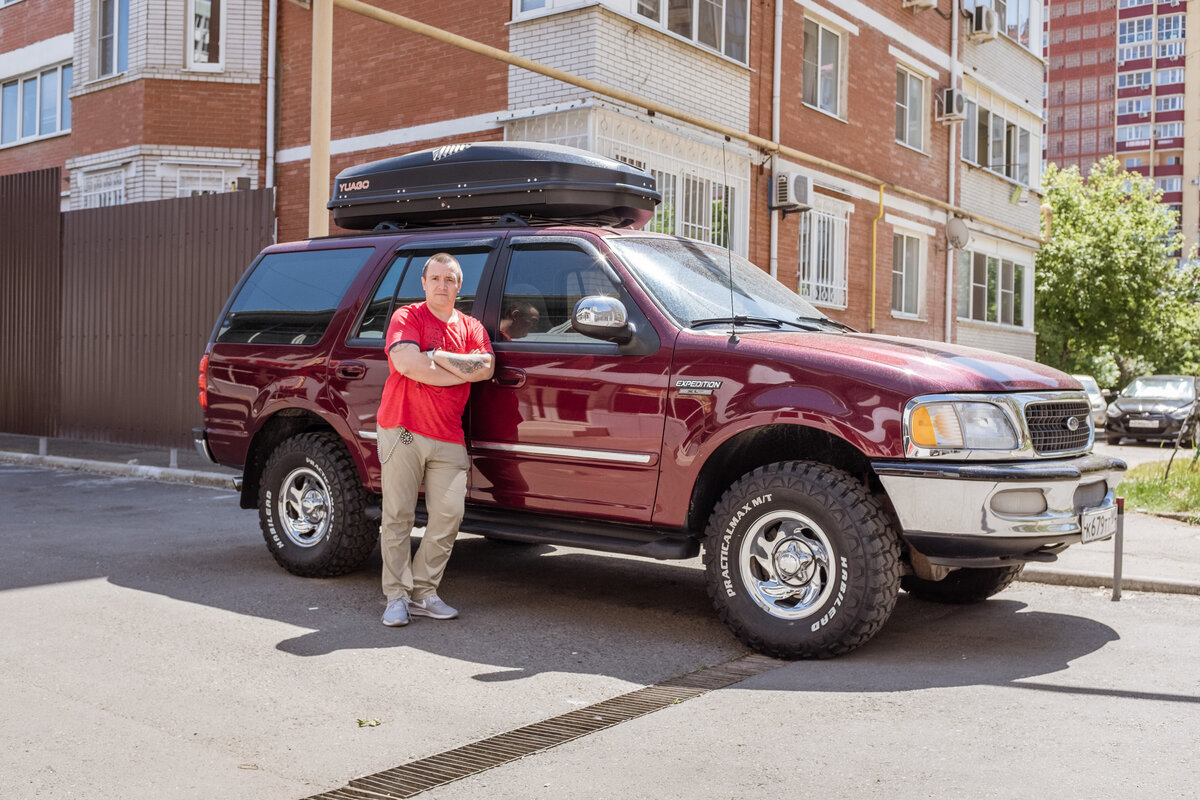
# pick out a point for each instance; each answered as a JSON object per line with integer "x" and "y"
{"x": 543, "y": 284}
{"x": 405, "y": 270}
{"x": 290, "y": 298}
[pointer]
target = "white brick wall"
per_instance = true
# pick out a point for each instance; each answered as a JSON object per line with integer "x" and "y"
{"x": 151, "y": 171}
{"x": 1013, "y": 341}
{"x": 158, "y": 33}
{"x": 598, "y": 44}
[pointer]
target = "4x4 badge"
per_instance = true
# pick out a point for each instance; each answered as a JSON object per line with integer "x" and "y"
{"x": 697, "y": 387}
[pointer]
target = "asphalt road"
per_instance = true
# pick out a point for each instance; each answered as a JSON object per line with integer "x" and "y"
{"x": 153, "y": 649}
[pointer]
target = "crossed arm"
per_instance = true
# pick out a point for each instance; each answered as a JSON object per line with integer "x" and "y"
{"x": 440, "y": 368}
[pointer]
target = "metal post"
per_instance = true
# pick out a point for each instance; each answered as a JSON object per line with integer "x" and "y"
{"x": 43, "y": 445}
{"x": 174, "y": 463}
{"x": 1118, "y": 548}
{"x": 322, "y": 114}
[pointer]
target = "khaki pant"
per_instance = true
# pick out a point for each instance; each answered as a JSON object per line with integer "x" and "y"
{"x": 442, "y": 467}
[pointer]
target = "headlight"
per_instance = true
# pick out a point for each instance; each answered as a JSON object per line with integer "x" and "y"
{"x": 1181, "y": 412}
{"x": 961, "y": 425}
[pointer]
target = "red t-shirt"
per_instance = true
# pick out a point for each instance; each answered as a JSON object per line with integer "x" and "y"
{"x": 431, "y": 411}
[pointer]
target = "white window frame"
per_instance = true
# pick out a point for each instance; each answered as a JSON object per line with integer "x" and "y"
{"x": 1130, "y": 133}
{"x": 193, "y": 181}
{"x": 821, "y": 275}
{"x": 1168, "y": 130}
{"x": 1170, "y": 102}
{"x": 1168, "y": 184}
{"x": 1134, "y": 52}
{"x": 1175, "y": 49}
{"x": 1172, "y": 27}
{"x": 61, "y": 124}
{"x": 1002, "y": 147}
{"x": 103, "y": 188}
{"x": 994, "y": 299}
{"x": 814, "y": 64}
{"x": 911, "y": 117}
{"x": 1138, "y": 29}
{"x": 120, "y": 37}
{"x": 1167, "y": 77}
{"x": 908, "y": 273}
{"x": 1129, "y": 80}
{"x": 190, "y": 36}
{"x": 1133, "y": 105}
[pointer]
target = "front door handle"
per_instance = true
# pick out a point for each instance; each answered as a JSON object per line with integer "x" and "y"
{"x": 509, "y": 377}
{"x": 350, "y": 370}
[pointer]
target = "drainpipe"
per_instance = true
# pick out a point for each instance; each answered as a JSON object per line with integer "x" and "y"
{"x": 321, "y": 117}
{"x": 874, "y": 231}
{"x": 272, "y": 35}
{"x": 952, "y": 170}
{"x": 776, "y": 77}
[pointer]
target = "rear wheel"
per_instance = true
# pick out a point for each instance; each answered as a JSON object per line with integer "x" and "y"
{"x": 962, "y": 586}
{"x": 801, "y": 561}
{"x": 312, "y": 508}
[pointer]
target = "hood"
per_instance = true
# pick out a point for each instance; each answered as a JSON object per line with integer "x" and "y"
{"x": 917, "y": 366}
{"x": 1148, "y": 405}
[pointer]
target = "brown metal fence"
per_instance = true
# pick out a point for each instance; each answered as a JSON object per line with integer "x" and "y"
{"x": 142, "y": 285}
{"x": 30, "y": 281}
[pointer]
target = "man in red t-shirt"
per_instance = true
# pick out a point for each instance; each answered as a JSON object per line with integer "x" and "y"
{"x": 434, "y": 353}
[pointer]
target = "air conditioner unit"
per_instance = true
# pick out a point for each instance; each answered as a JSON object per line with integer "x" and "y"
{"x": 952, "y": 105}
{"x": 920, "y": 3}
{"x": 985, "y": 24}
{"x": 791, "y": 191}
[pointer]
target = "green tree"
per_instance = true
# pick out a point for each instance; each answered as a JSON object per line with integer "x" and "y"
{"x": 1113, "y": 299}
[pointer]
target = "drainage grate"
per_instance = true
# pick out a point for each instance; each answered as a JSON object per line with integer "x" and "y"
{"x": 418, "y": 776}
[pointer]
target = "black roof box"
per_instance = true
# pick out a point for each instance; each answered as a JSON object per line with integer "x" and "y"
{"x": 484, "y": 180}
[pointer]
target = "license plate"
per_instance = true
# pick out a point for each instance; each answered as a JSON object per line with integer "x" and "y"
{"x": 1143, "y": 423}
{"x": 1096, "y": 524}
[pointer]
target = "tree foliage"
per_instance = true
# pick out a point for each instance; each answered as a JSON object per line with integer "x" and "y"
{"x": 1113, "y": 298}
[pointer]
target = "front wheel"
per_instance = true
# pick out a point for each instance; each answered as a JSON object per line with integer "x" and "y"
{"x": 801, "y": 561}
{"x": 312, "y": 508}
{"x": 962, "y": 586}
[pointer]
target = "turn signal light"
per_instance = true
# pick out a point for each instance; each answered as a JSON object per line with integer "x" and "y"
{"x": 203, "y": 382}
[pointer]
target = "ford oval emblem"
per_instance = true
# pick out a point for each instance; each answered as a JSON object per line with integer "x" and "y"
{"x": 1072, "y": 424}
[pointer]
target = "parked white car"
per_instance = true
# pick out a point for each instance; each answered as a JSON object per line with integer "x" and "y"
{"x": 1095, "y": 397}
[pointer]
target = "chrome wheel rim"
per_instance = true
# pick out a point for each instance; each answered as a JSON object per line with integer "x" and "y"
{"x": 304, "y": 507}
{"x": 786, "y": 562}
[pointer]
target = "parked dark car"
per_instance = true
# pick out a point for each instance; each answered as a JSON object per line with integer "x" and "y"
{"x": 1153, "y": 408}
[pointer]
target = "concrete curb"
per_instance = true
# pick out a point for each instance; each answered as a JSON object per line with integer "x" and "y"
{"x": 1095, "y": 580}
{"x": 116, "y": 470}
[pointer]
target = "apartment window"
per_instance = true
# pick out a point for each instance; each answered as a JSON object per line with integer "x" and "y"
{"x": 703, "y": 210}
{"x": 910, "y": 106}
{"x": 194, "y": 181}
{"x": 1171, "y": 50}
{"x": 722, "y": 25}
{"x": 1014, "y": 17}
{"x": 906, "y": 274}
{"x": 991, "y": 289}
{"x": 1128, "y": 80}
{"x": 36, "y": 105}
{"x": 1168, "y": 130}
{"x": 112, "y": 37}
{"x": 1166, "y": 77}
{"x": 822, "y": 67}
{"x": 1170, "y": 28}
{"x": 1131, "y": 31}
{"x": 822, "y": 278}
{"x": 1136, "y": 161}
{"x": 1135, "y": 3}
{"x": 207, "y": 24}
{"x": 1173, "y": 183}
{"x": 997, "y": 144}
{"x": 1133, "y": 52}
{"x": 1172, "y": 102}
{"x": 1130, "y": 133}
{"x": 1172, "y": 161}
{"x": 1138, "y": 105}
{"x": 105, "y": 188}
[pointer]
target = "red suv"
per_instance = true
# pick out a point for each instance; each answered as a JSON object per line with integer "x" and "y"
{"x": 660, "y": 395}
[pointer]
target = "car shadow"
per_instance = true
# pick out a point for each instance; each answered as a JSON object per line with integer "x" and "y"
{"x": 526, "y": 610}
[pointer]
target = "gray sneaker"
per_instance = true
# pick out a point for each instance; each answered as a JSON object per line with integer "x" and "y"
{"x": 396, "y": 613}
{"x": 432, "y": 606}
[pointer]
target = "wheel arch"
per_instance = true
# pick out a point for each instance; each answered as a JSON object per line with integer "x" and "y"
{"x": 278, "y": 428}
{"x": 756, "y": 447}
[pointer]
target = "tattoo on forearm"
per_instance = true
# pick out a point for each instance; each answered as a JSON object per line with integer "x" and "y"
{"x": 465, "y": 363}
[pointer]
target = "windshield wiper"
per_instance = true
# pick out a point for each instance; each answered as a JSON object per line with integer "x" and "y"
{"x": 740, "y": 319}
{"x": 833, "y": 323}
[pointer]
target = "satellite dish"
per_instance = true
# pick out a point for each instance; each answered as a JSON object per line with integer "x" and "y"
{"x": 956, "y": 233}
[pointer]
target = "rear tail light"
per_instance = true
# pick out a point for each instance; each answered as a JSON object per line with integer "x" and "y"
{"x": 202, "y": 382}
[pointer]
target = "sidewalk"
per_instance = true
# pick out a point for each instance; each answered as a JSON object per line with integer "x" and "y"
{"x": 1159, "y": 554}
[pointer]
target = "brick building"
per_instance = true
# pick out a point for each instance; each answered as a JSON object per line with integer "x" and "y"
{"x": 160, "y": 98}
{"x": 1117, "y": 78}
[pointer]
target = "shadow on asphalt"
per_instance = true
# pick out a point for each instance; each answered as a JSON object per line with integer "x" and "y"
{"x": 525, "y": 609}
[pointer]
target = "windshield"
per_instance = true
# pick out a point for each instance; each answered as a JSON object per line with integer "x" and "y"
{"x": 1180, "y": 388}
{"x": 691, "y": 282}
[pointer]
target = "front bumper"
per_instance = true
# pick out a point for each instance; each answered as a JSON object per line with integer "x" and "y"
{"x": 977, "y": 515}
{"x": 1165, "y": 427}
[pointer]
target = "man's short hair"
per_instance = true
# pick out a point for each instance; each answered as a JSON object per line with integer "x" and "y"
{"x": 448, "y": 260}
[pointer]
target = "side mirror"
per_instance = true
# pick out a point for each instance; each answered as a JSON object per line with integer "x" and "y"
{"x": 602, "y": 317}
{"x": 1108, "y": 393}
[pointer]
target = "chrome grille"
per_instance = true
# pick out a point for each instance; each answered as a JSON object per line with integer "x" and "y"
{"x": 1048, "y": 426}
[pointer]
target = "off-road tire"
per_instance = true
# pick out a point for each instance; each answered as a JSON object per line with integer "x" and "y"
{"x": 962, "y": 586}
{"x": 312, "y": 508}
{"x": 830, "y": 545}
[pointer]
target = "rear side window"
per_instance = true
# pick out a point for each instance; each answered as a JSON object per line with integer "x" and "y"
{"x": 290, "y": 298}
{"x": 406, "y": 271}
